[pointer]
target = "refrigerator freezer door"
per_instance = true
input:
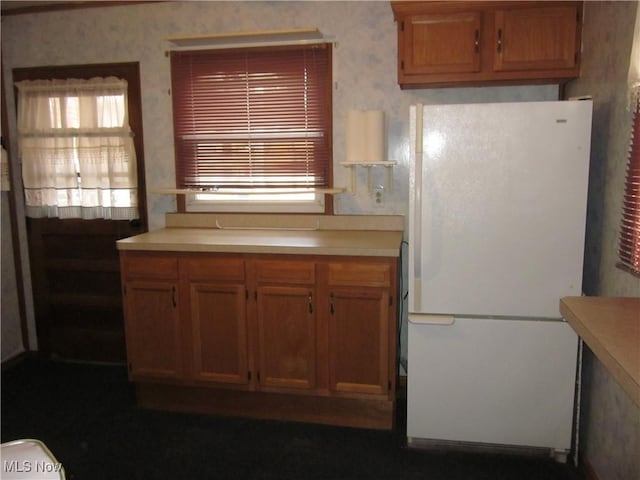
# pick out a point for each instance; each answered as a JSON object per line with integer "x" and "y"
{"x": 505, "y": 382}
{"x": 497, "y": 207}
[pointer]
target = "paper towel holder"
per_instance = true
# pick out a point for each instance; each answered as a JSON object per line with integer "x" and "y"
{"x": 388, "y": 164}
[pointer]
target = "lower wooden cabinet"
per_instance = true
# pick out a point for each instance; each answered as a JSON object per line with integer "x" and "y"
{"x": 360, "y": 332}
{"x": 277, "y": 336}
{"x": 286, "y": 337}
{"x": 153, "y": 330}
{"x": 359, "y": 341}
{"x": 218, "y": 333}
{"x": 214, "y": 319}
{"x": 152, "y": 326}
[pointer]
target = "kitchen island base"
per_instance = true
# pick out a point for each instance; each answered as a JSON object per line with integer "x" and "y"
{"x": 340, "y": 411}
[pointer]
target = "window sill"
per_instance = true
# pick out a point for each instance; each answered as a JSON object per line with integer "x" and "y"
{"x": 188, "y": 191}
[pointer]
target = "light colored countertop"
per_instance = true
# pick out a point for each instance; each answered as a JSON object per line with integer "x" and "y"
{"x": 299, "y": 235}
{"x": 610, "y": 326}
{"x": 315, "y": 242}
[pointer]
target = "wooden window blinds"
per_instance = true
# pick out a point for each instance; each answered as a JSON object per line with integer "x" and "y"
{"x": 629, "y": 248}
{"x": 253, "y": 118}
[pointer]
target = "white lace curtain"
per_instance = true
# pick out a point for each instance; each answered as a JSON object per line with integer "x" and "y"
{"x": 76, "y": 148}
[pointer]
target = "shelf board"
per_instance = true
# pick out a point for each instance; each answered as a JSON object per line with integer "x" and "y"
{"x": 385, "y": 163}
{"x": 187, "y": 191}
{"x": 300, "y": 36}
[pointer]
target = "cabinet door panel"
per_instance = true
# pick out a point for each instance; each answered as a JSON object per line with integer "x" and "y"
{"x": 158, "y": 266}
{"x": 442, "y": 43}
{"x": 286, "y": 323}
{"x": 359, "y": 340}
{"x": 535, "y": 38}
{"x": 285, "y": 271}
{"x": 360, "y": 274}
{"x": 152, "y": 330}
{"x": 219, "y": 333}
{"x": 207, "y": 268}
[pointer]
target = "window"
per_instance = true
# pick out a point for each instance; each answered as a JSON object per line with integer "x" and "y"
{"x": 76, "y": 148}
{"x": 629, "y": 248}
{"x": 253, "y": 126}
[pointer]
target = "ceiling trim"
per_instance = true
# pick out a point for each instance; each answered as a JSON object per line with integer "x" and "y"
{"x": 19, "y": 7}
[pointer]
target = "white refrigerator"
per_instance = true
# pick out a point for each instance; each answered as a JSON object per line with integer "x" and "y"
{"x": 497, "y": 214}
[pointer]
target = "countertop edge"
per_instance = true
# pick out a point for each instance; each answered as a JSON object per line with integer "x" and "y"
{"x": 351, "y": 252}
{"x": 156, "y": 241}
{"x": 569, "y": 307}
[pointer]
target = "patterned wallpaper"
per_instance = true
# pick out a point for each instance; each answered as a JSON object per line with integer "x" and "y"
{"x": 610, "y": 426}
{"x": 364, "y": 72}
{"x": 607, "y": 37}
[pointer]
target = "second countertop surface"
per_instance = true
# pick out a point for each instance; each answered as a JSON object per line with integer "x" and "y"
{"x": 610, "y": 326}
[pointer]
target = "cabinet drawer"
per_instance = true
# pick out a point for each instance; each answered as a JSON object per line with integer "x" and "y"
{"x": 213, "y": 268}
{"x": 365, "y": 274}
{"x": 284, "y": 271}
{"x": 150, "y": 265}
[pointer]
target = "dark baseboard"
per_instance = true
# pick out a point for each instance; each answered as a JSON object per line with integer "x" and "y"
{"x": 18, "y": 359}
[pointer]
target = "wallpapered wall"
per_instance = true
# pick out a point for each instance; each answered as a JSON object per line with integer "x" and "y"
{"x": 610, "y": 420}
{"x": 364, "y": 70}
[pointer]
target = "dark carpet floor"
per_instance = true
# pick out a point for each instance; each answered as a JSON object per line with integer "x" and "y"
{"x": 87, "y": 416}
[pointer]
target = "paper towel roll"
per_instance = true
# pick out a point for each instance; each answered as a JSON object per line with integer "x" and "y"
{"x": 356, "y": 136}
{"x": 375, "y": 143}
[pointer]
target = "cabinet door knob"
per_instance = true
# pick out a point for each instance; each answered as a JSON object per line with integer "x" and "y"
{"x": 499, "y": 40}
{"x": 310, "y": 302}
{"x": 476, "y": 42}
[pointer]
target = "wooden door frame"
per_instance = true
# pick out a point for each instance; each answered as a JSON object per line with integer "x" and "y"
{"x": 128, "y": 71}
{"x": 15, "y": 238}
{"x": 131, "y": 73}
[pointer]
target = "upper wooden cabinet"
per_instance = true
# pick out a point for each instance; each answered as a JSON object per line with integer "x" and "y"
{"x": 456, "y": 35}
{"x": 448, "y": 43}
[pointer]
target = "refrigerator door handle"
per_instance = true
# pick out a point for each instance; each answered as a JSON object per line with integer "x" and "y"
{"x": 417, "y": 239}
{"x": 425, "y": 319}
